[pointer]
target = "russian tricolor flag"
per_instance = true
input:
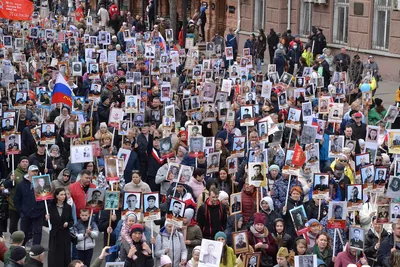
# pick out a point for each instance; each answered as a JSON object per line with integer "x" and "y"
{"x": 62, "y": 93}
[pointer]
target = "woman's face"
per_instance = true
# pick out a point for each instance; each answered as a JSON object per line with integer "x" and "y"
{"x": 259, "y": 227}
{"x": 222, "y": 240}
{"x": 90, "y": 167}
{"x": 61, "y": 196}
{"x": 136, "y": 178}
{"x": 301, "y": 249}
{"x": 68, "y": 194}
{"x": 225, "y": 201}
{"x": 223, "y": 175}
{"x": 279, "y": 227}
{"x": 322, "y": 242}
{"x": 240, "y": 223}
{"x": 200, "y": 178}
{"x": 218, "y": 144}
{"x": 295, "y": 195}
{"x": 131, "y": 221}
{"x": 196, "y": 255}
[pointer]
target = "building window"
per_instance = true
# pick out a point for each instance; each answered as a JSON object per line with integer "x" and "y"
{"x": 381, "y": 29}
{"x": 305, "y": 18}
{"x": 341, "y": 19}
{"x": 259, "y": 15}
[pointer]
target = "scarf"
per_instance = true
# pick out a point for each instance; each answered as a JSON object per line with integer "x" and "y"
{"x": 321, "y": 255}
{"x": 207, "y": 213}
{"x": 257, "y": 234}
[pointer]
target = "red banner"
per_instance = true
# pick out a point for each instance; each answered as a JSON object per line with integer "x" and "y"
{"x": 16, "y": 9}
{"x": 298, "y": 158}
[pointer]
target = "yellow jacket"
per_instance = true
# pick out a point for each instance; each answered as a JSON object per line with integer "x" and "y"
{"x": 308, "y": 56}
{"x": 347, "y": 171}
{"x": 231, "y": 258}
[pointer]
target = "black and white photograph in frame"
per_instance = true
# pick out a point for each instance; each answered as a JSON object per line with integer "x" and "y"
{"x": 233, "y": 71}
{"x": 282, "y": 101}
{"x": 48, "y": 135}
{"x": 209, "y": 113}
{"x": 356, "y": 238}
{"x": 213, "y": 160}
{"x": 115, "y": 264}
{"x": 335, "y": 112}
{"x": 306, "y": 261}
{"x": 34, "y": 33}
{"x": 229, "y": 53}
{"x": 13, "y": 144}
{"x": 173, "y": 172}
{"x": 393, "y": 189}
{"x": 195, "y": 102}
{"x": 354, "y": 195}
{"x": 19, "y": 43}
{"x": 391, "y": 114}
{"x": 367, "y": 174}
{"x": 132, "y": 201}
{"x": 294, "y": 115}
{"x": 240, "y": 242}
{"x": 210, "y": 47}
{"x": 394, "y": 212}
{"x": 138, "y": 120}
{"x": 286, "y": 78}
{"x": 337, "y": 210}
{"x": 310, "y": 90}
{"x": 186, "y": 173}
{"x": 176, "y": 212}
{"x": 299, "y": 82}
{"x": 111, "y": 200}
{"x": 257, "y": 173}
{"x": 196, "y": 146}
{"x": 372, "y": 134}
{"x": 380, "y": 176}
{"x": 299, "y": 217}
{"x": 308, "y": 134}
{"x": 7, "y": 41}
{"x": 312, "y": 153}
{"x": 362, "y": 160}
{"x": 81, "y": 153}
{"x": 307, "y": 109}
{"x": 351, "y": 144}
{"x": 271, "y": 68}
{"x": 77, "y": 69}
{"x": 235, "y": 203}
{"x": 210, "y": 253}
{"x": 208, "y": 92}
{"x": 321, "y": 183}
{"x": 151, "y": 206}
{"x": 336, "y": 143}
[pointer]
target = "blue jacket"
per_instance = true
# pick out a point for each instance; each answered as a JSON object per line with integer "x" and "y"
{"x": 252, "y": 45}
{"x": 324, "y": 148}
{"x": 25, "y": 202}
{"x": 231, "y": 41}
{"x": 279, "y": 60}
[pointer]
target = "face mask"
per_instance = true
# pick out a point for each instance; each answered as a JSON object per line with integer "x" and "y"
{"x": 294, "y": 47}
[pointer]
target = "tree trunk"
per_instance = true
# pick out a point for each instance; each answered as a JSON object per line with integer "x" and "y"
{"x": 173, "y": 9}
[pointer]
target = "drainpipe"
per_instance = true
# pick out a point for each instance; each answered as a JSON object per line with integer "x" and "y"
{"x": 238, "y": 18}
{"x": 289, "y": 11}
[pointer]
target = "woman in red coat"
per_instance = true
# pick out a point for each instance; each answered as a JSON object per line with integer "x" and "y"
{"x": 262, "y": 241}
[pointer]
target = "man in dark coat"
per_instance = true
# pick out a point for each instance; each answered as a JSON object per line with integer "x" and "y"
{"x": 273, "y": 41}
{"x": 342, "y": 60}
{"x": 37, "y": 257}
{"x": 319, "y": 40}
{"x": 387, "y": 246}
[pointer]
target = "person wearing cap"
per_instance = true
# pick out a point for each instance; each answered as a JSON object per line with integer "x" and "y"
{"x": 17, "y": 257}
{"x": 17, "y": 239}
{"x": 30, "y": 210}
{"x": 36, "y": 257}
{"x": 359, "y": 128}
{"x": 11, "y": 183}
{"x": 27, "y": 139}
{"x": 294, "y": 54}
{"x": 139, "y": 254}
{"x": 282, "y": 258}
{"x": 39, "y": 159}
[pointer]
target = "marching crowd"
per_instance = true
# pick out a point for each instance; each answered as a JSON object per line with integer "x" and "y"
{"x": 247, "y": 162}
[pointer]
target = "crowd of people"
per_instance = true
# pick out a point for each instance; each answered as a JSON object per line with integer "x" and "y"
{"x": 237, "y": 164}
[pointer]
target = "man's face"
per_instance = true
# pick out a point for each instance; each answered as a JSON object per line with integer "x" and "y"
{"x": 281, "y": 261}
{"x": 96, "y": 196}
{"x": 298, "y": 216}
{"x": 210, "y": 248}
{"x": 257, "y": 170}
{"x": 151, "y": 203}
{"x": 85, "y": 180}
{"x": 177, "y": 208}
{"x": 41, "y": 182}
{"x": 196, "y": 145}
{"x": 213, "y": 198}
{"x": 214, "y": 159}
{"x": 131, "y": 201}
{"x": 338, "y": 212}
{"x": 354, "y": 192}
{"x": 356, "y": 234}
{"x": 348, "y": 131}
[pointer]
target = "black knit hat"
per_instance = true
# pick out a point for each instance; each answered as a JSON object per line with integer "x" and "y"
{"x": 18, "y": 253}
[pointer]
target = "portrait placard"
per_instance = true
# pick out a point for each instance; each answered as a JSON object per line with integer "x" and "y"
{"x": 42, "y": 187}
{"x": 151, "y": 204}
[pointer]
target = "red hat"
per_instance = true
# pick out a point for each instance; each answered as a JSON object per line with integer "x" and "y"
{"x": 259, "y": 218}
{"x": 357, "y": 114}
{"x": 137, "y": 227}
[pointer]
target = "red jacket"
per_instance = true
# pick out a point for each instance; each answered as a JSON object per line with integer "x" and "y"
{"x": 79, "y": 196}
{"x": 114, "y": 11}
{"x": 249, "y": 205}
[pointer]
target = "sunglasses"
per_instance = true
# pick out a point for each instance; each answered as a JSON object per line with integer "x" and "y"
{"x": 343, "y": 160}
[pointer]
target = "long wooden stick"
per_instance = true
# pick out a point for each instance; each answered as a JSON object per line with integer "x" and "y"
{"x": 109, "y": 225}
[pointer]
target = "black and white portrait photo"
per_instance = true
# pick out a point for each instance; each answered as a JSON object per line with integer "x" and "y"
{"x": 151, "y": 207}
{"x": 176, "y": 212}
{"x": 257, "y": 173}
{"x": 308, "y": 134}
{"x": 336, "y": 143}
{"x": 395, "y": 212}
{"x": 210, "y": 253}
{"x": 307, "y": 109}
{"x": 321, "y": 183}
{"x": 111, "y": 200}
{"x": 299, "y": 217}
{"x": 354, "y": 195}
{"x": 337, "y": 210}
{"x": 356, "y": 237}
{"x": 393, "y": 189}
{"x": 240, "y": 242}
{"x": 367, "y": 174}
{"x": 306, "y": 261}
{"x": 95, "y": 199}
{"x": 213, "y": 162}
{"x": 391, "y": 114}
{"x": 132, "y": 201}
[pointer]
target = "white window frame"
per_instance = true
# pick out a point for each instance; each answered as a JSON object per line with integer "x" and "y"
{"x": 305, "y": 30}
{"x": 338, "y": 5}
{"x": 259, "y": 22}
{"x": 381, "y": 8}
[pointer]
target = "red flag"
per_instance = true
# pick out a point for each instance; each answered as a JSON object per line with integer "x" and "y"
{"x": 16, "y": 10}
{"x": 299, "y": 157}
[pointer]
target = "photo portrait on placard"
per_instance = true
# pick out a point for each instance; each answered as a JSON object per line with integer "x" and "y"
{"x": 173, "y": 172}
{"x": 151, "y": 206}
{"x": 299, "y": 218}
{"x": 240, "y": 242}
{"x": 209, "y": 113}
{"x": 372, "y": 134}
{"x": 235, "y": 203}
{"x": 116, "y": 115}
{"x": 323, "y": 105}
{"x": 252, "y": 259}
{"x": 307, "y": 109}
{"x": 208, "y": 92}
{"x": 194, "y": 102}
{"x": 77, "y": 104}
{"x": 337, "y": 210}
{"x": 308, "y": 134}
{"x": 95, "y": 199}
{"x": 213, "y": 162}
{"x": 354, "y": 196}
{"x": 367, "y": 174}
{"x": 394, "y": 212}
{"x": 86, "y": 131}
{"x": 185, "y": 173}
{"x": 13, "y": 143}
{"x": 336, "y": 143}
{"x": 362, "y": 160}
{"x": 306, "y": 261}
{"x": 42, "y": 187}
{"x": 257, "y": 173}
{"x": 356, "y": 237}
{"x": 176, "y": 212}
{"x": 48, "y": 135}
{"x": 131, "y": 104}
{"x": 196, "y": 146}
{"x": 321, "y": 184}
{"x": 138, "y": 120}
{"x": 393, "y": 189}
{"x": 132, "y": 202}
{"x": 383, "y": 214}
{"x": 391, "y": 114}
{"x": 232, "y": 164}
{"x": 380, "y": 176}
{"x": 335, "y": 112}
{"x": 210, "y": 253}
{"x": 111, "y": 200}
{"x": 166, "y": 148}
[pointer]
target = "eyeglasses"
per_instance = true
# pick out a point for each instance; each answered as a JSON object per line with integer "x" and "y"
{"x": 343, "y": 160}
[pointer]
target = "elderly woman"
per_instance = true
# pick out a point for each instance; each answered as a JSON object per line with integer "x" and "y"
{"x": 62, "y": 117}
{"x": 102, "y": 133}
{"x": 57, "y": 160}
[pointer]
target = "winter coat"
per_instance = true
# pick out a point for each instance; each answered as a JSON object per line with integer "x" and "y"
{"x": 344, "y": 258}
{"x": 384, "y": 251}
{"x": 103, "y": 112}
{"x": 79, "y": 195}
{"x": 25, "y": 202}
{"x": 28, "y": 142}
{"x": 290, "y": 229}
{"x": 19, "y": 174}
{"x": 140, "y": 187}
{"x": 141, "y": 260}
{"x": 261, "y": 46}
{"x": 175, "y": 243}
{"x": 345, "y": 58}
{"x": 12, "y": 263}
{"x": 273, "y": 40}
{"x": 252, "y": 45}
{"x": 197, "y": 187}
{"x": 211, "y": 219}
{"x": 231, "y": 41}
{"x": 371, "y": 239}
{"x": 193, "y": 233}
{"x": 268, "y": 252}
{"x": 230, "y": 258}
{"x": 270, "y": 215}
{"x": 308, "y": 56}
{"x": 59, "y": 162}
{"x": 280, "y": 62}
{"x": 59, "y": 243}
{"x": 187, "y": 192}
{"x": 161, "y": 179}
{"x": 279, "y": 190}
{"x": 85, "y": 243}
{"x": 39, "y": 160}
{"x": 132, "y": 165}
{"x": 60, "y": 182}
{"x": 249, "y": 204}
{"x": 374, "y": 116}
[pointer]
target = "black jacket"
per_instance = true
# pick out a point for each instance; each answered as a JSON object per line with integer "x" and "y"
{"x": 384, "y": 251}
{"x": 25, "y": 202}
{"x": 211, "y": 219}
{"x": 103, "y": 112}
{"x": 33, "y": 263}
{"x": 11, "y": 263}
{"x": 369, "y": 246}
